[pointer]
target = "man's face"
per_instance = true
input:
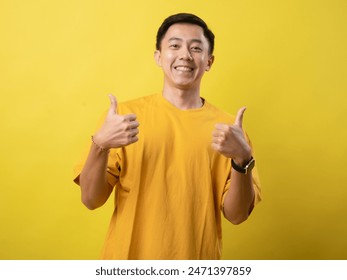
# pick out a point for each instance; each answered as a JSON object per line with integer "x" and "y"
{"x": 184, "y": 56}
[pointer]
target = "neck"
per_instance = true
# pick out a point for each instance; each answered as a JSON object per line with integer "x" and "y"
{"x": 183, "y": 99}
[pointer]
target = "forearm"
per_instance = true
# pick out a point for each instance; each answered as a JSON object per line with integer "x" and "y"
{"x": 239, "y": 199}
{"x": 95, "y": 188}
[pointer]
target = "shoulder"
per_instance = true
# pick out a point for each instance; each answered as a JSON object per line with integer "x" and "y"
{"x": 137, "y": 104}
{"x": 217, "y": 113}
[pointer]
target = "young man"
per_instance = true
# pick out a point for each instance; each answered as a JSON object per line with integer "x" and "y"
{"x": 174, "y": 161}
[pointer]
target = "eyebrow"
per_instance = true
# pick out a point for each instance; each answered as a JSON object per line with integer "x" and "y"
{"x": 179, "y": 39}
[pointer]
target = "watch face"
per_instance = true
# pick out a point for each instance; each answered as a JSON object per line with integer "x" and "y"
{"x": 250, "y": 165}
{"x": 245, "y": 169}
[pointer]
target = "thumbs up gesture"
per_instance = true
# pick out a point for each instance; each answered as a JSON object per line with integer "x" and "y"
{"x": 117, "y": 130}
{"x": 229, "y": 140}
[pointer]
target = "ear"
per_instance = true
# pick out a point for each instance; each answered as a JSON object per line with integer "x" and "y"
{"x": 157, "y": 57}
{"x": 209, "y": 63}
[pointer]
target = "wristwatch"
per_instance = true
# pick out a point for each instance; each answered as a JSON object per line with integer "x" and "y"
{"x": 244, "y": 170}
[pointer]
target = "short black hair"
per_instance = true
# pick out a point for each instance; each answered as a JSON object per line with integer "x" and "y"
{"x": 185, "y": 18}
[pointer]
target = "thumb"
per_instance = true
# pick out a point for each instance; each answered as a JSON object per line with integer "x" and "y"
{"x": 239, "y": 117}
{"x": 113, "y": 106}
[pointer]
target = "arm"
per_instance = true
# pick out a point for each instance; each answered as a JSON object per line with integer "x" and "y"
{"x": 230, "y": 141}
{"x": 117, "y": 131}
{"x": 95, "y": 189}
{"x": 239, "y": 200}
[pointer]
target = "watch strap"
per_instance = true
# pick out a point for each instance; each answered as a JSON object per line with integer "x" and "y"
{"x": 244, "y": 170}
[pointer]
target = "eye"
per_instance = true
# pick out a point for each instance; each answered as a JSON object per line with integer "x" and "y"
{"x": 174, "y": 46}
{"x": 196, "y": 49}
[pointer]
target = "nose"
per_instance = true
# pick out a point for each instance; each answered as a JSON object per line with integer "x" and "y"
{"x": 186, "y": 54}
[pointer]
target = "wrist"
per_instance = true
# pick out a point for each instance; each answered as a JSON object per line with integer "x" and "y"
{"x": 245, "y": 168}
{"x": 97, "y": 145}
{"x": 242, "y": 161}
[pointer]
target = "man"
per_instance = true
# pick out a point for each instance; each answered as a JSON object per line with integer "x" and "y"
{"x": 173, "y": 160}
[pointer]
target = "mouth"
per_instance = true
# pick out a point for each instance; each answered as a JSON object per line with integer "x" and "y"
{"x": 184, "y": 68}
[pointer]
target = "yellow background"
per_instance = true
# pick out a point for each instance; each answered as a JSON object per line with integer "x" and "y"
{"x": 286, "y": 60}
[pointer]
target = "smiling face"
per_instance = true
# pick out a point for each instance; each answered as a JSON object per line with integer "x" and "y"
{"x": 184, "y": 56}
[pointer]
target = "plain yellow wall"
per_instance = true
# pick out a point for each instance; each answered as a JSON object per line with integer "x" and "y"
{"x": 286, "y": 60}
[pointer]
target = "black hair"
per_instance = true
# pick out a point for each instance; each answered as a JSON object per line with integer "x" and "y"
{"x": 185, "y": 18}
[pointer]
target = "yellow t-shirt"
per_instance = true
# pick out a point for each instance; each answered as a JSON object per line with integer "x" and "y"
{"x": 170, "y": 184}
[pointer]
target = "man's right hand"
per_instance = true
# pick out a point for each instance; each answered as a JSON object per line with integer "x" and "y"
{"x": 117, "y": 130}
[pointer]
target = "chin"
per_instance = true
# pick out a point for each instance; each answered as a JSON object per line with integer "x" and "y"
{"x": 184, "y": 85}
{"x": 184, "y": 82}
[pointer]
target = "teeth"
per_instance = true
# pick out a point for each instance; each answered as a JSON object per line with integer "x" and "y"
{"x": 183, "y": 68}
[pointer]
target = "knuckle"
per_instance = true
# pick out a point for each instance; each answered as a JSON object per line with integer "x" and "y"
{"x": 121, "y": 118}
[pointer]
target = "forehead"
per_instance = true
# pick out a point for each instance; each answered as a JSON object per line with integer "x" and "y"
{"x": 185, "y": 32}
